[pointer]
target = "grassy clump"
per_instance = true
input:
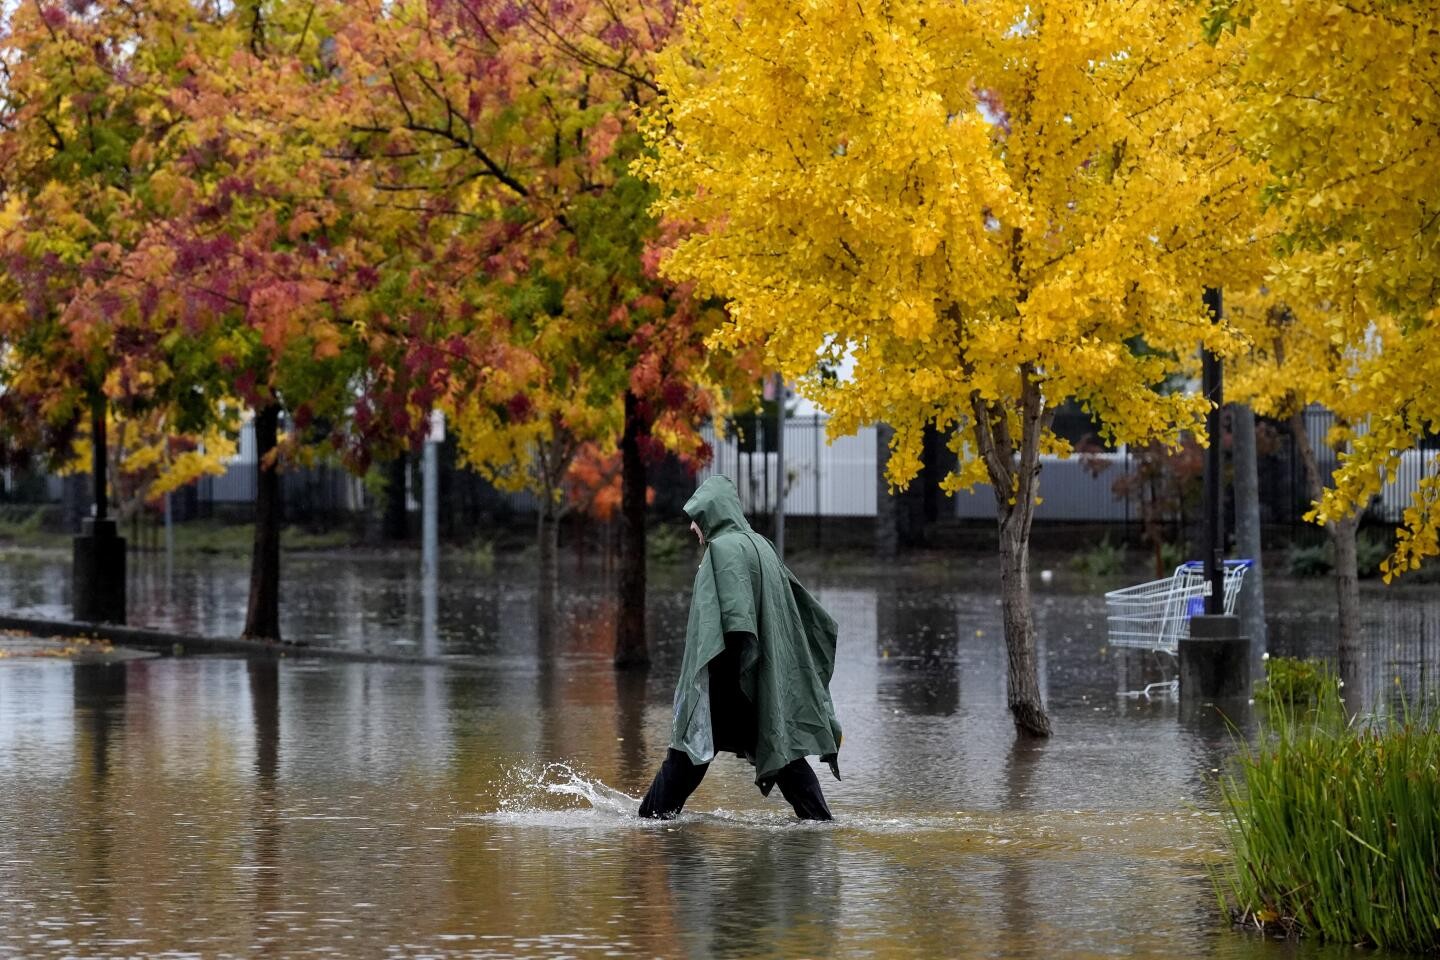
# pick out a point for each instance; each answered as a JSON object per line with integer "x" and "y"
{"x": 1334, "y": 826}
{"x": 238, "y": 539}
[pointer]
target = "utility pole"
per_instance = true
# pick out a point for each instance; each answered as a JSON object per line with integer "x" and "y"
{"x": 430, "y": 497}
{"x": 430, "y": 535}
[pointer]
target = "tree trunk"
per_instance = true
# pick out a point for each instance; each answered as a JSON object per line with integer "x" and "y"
{"x": 1022, "y": 668}
{"x": 1348, "y": 653}
{"x": 1014, "y": 470}
{"x": 886, "y": 535}
{"x": 1347, "y": 595}
{"x": 397, "y": 520}
{"x": 547, "y": 532}
{"x": 630, "y": 645}
{"x": 1247, "y": 523}
{"x": 262, "y": 618}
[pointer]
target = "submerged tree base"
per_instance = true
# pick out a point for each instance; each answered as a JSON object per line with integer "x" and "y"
{"x": 1030, "y": 721}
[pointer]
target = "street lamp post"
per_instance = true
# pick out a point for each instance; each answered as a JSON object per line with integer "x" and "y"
{"x": 98, "y": 561}
{"x": 1214, "y": 657}
{"x": 1213, "y": 388}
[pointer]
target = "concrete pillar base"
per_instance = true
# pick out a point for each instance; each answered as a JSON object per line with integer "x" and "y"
{"x": 1214, "y": 660}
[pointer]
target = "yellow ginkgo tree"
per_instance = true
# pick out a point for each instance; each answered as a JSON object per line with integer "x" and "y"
{"x": 1303, "y": 353}
{"x": 149, "y": 458}
{"x": 1342, "y": 103}
{"x": 983, "y": 209}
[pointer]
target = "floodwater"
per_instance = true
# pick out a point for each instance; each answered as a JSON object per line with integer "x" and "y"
{"x": 213, "y": 807}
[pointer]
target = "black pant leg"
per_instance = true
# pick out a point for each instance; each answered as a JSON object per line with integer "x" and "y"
{"x": 677, "y": 779}
{"x": 799, "y": 786}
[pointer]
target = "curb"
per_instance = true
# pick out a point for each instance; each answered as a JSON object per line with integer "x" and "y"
{"x": 180, "y": 644}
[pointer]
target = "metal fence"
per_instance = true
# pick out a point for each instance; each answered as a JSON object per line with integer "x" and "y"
{"x": 821, "y": 477}
{"x": 839, "y": 478}
{"x": 818, "y": 478}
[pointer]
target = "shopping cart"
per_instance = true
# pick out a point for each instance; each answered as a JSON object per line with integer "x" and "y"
{"x": 1155, "y": 615}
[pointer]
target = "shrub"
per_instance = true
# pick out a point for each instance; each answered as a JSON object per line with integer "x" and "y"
{"x": 1334, "y": 827}
{"x": 1317, "y": 560}
{"x": 1371, "y": 547}
{"x": 1104, "y": 559}
{"x": 481, "y": 553}
{"x": 1291, "y": 682}
{"x": 1172, "y": 555}
{"x": 669, "y": 542}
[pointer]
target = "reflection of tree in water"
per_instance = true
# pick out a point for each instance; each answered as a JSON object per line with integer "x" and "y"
{"x": 576, "y": 686}
{"x": 99, "y": 713}
{"x": 630, "y": 692}
{"x": 547, "y": 672}
{"x": 264, "y": 681}
{"x": 743, "y": 893}
{"x": 918, "y": 641}
{"x": 652, "y": 925}
{"x": 1018, "y": 906}
{"x": 482, "y": 732}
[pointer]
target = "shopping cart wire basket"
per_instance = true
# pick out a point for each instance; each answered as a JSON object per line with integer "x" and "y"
{"x": 1155, "y": 615}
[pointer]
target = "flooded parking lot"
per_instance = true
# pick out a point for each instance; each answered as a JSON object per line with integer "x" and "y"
{"x": 212, "y": 806}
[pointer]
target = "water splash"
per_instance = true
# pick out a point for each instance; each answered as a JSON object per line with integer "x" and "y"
{"x": 559, "y": 779}
{"x": 558, "y": 796}
{"x": 528, "y": 795}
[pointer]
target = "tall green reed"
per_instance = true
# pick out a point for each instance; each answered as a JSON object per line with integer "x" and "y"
{"x": 1334, "y": 826}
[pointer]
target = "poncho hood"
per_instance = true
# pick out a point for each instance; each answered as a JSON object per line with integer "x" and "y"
{"x": 788, "y": 656}
{"x": 715, "y": 508}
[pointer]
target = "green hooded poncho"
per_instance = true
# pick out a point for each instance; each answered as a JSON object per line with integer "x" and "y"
{"x": 787, "y": 659}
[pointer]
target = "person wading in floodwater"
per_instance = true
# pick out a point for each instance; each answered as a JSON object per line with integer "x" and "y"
{"x": 755, "y": 679}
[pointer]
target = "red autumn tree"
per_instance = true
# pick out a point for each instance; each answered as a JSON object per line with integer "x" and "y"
{"x": 511, "y": 127}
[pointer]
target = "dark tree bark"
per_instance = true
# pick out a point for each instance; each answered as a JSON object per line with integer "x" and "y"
{"x": 1013, "y": 464}
{"x": 1022, "y": 666}
{"x": 1347, "y": 599}
{"x": 887, "y": 534}
{"x": 262, "y": 618}
{"x": 1247, "y": 522}
{"x": 552, "y": 461}
{"x": 397, "y": 520}
{"x": 547, "y": 537}
{"x": 631, "y": 648}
